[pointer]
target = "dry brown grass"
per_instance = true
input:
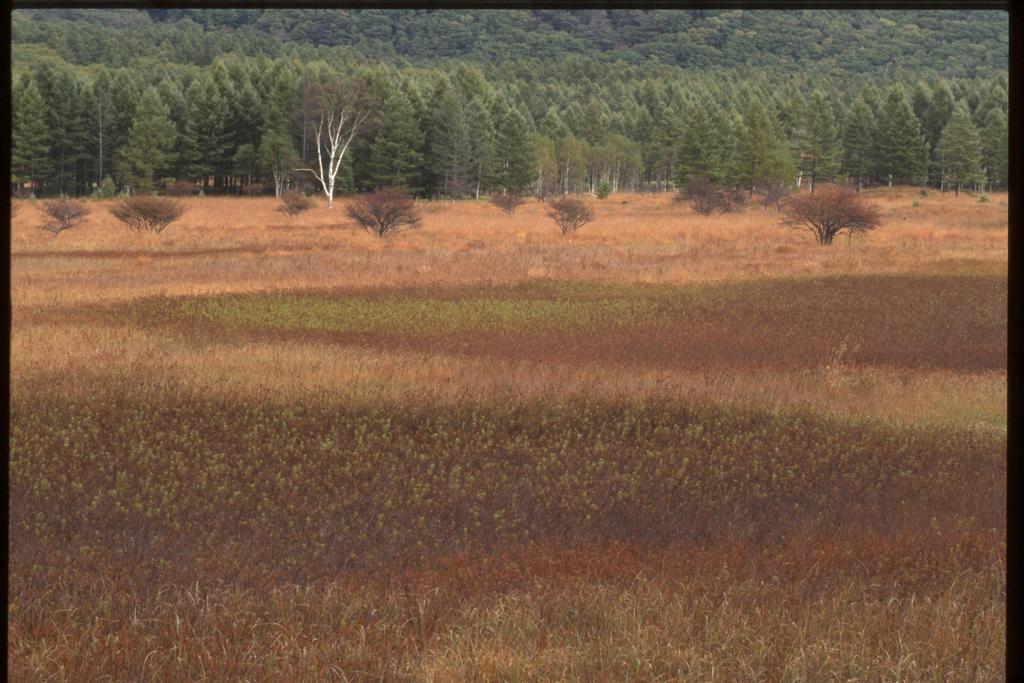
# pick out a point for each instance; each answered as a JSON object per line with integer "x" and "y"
{"x": 923, "y": 601}
{"x": 230, "y": 244}
{"x": 923, "y": 608}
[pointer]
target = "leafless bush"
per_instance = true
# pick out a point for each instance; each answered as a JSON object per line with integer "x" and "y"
{"x": 181, "y": 188}
{"x": 63, "y": 214}
{"x": 146, "y": 212}
{"x": 570, "y": 213}
{"x": 773, "y": 193}
{"x": 294, "y": 202}
{"x": 385, "y": 212}
{"x": 830, "y": 211}
{"x": 507, "y": 202}
{"x": 707, "y": 198}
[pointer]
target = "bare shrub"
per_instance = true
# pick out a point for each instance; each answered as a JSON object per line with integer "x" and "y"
{"x": 181, "y": 188}
{"x": 773, "y": 193}
{"x": 385, "y": 212}
{"x": 508, "y": 202}
{"x": 707, "y": 197}
{"x": 63, "y": 214}
{"x": 146, "y": 212}
{"x": 570, "y": 213}
{"x": 830, "y": 211}
{"x": 294, "y": 202}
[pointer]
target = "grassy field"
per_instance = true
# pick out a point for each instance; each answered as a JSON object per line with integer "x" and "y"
{"x": 670, "y": 448}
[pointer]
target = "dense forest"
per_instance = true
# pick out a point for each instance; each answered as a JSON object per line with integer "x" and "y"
{"x": 460, "y": 103}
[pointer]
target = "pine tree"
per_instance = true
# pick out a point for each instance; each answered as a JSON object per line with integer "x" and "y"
{"x": 207, "y": 136}
{"x": 515, "y": 152}
{"x": 820, "y": 149}
{"x": 149, "y": 150}
{"x": 701, "y": 152}
{"x": 933, "y": 120}
{"x": 65, "y": 117}
{"x": 959, "y": 150}
{"x": 30, "y": 135}
{"x": 171, "y": 94}
{"x": 760, "y": 156}
{"x": 859, "y": 133}
{"x": 100, "y": 121}
{"x": 901, "y": 152}
{"x": 995, "y": 148}
{"x": 459, "y": 133}
{"x": 393, "y": 157}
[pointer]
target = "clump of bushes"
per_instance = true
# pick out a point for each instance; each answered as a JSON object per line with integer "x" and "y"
{"x": 983, "y": 199}
{"x": 706, "y": 197}
{"x": 774, "y": 193}
{"x": 385, "y": 212}
{"x": 507, "y": 202}
{"x": 829, "y": 212}
{"x": 294, "y": 202}
{"x": 180, "y": 188}
{"x": 63, "y": 214}
{"x": 570, "y": 214}
{"x": 146, "y": 212}
{"x": 603, "y": 190}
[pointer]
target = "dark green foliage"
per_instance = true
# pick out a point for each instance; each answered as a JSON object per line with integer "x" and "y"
{"x": 959, "y": 152}
{"x": 902, "y": 149}
{"x": 860, "y": 131}
{"x": 393, "y": 156}
{"x": 819, "y": 147}
{"x": 701, "y": 152}
{"x": 149, "y": 148}
{"x": 995, "y": 149}
{"x": 30, "y": 135}
{"x": 611, "y": 106}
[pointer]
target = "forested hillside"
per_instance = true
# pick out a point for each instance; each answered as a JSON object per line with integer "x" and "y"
{"x": 469, "y": 102}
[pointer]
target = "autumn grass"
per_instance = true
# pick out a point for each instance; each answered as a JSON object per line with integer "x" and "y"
{"x": 927, "y": 607}
{"x": 671, "y": 448}
{"x": 240, "y": 245}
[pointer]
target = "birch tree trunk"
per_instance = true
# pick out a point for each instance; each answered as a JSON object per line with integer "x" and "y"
{"x": 341, "y": 128}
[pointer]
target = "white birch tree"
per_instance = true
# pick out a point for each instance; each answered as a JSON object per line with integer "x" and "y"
{"x": 342, "y": 112}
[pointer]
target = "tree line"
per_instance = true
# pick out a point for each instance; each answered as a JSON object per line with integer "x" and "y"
{"x": 246, "y": 124}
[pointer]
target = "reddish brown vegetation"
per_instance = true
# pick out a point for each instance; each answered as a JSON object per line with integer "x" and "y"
{"x": 829, "y": 212}
{"x": 294, "y": 202}
{"x": 385, "y": 212}
{"x": 507, "y": 202}
{"x": 146, "y": 212}
{"x": 63, "y": 214}
{"x": 570, "y": 214}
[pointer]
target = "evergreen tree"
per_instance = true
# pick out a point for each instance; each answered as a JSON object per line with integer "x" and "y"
{"x": 149, "y": 150}
{"x": 701, "y": 151}
{"x": 65, "y": 117}
{"x": 30, "y": 135}
{"x": 959, "y": 150}
{"x": 935, "y": 118}
{"x": 515, "y": 152}
{"x": 995, "y": 149}
{"x": 206, "y": 131}
{"x": 859, "y": 133}
{"x": 393, "y": 157}
{"x": 100, "y": 115}
{"x": 820, "y": 149}
{"x": 901, "y": 152}
{"x": 171, "y": 94}
{"x": 760, "y": 156}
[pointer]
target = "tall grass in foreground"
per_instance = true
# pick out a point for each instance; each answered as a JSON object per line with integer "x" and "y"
{"x": 150, "y": 487}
